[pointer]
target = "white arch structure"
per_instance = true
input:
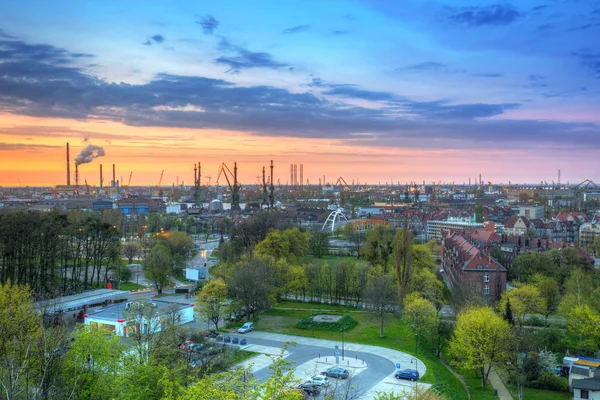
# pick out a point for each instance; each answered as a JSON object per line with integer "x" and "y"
{"x": 333, "y": 216}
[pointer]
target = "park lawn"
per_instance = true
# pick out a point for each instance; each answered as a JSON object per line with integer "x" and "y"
{"x": 130, "y": 286}
{"x": 541, "y": 394}
{"x": 474, "y": 384}
{"x": 398, "y": 336}
{"x": 330, "y": 259}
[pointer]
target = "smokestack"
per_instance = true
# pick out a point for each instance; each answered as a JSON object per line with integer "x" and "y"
{"x": 295, "y": 174}
{"x": 291, "y": 174}
{"x": 301, "y": 175}
{"x": 195, "y": 176}
{"x": 76, "y": 175}
{"x": 114, "y": 181}
{"x": 68, "y": 167}
{"x": 101, "y": 176}
{"x": 271, "y": 197}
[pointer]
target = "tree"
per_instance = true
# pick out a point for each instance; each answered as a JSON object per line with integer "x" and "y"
{"x": 211, "y": 301}
{"x": 275, "y": 245}
{"x": 579, "y": 290}
{"x": 421, "y": 314}
{"x": 20, "y": 332}
{"x": 131, "y": 250}
{"x": 378, "y": 246}
{"x": 584, "y": 322}
{"x": 319, "y": 244}
{"x": 299, "y": 241}
{"x": 418, "y": 393}
{"x": 481, "y": 339}
{"x": 403, "y": 260}
{"x": 597, "y": 246}
{"x": 549, "y": 291}
{"x": 508, "y": 315}
{"x": 478, "y": 210}
{"x": 526, "y": 299}
{"x": 380, "y": 295}
{"x": 159, "y": 264}
{"x": 93, "y": 363}
{"x": 256, "y": 283}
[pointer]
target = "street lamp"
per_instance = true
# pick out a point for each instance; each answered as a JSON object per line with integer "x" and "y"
{"x": 416, "y": 369}
{"x": 342, "y": 344}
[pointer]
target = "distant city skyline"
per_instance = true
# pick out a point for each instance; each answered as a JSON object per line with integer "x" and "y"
{"x": 371, "y": 90}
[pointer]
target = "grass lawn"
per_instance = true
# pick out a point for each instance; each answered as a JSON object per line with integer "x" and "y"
{"x": 130, "y": 286}
{"x": 540, "y": 394}
{"x": 399, "y": 336}
{"x": 318, "y": 307}
{"x": 330, "y": 259}
{"x": 242, "y": 355}
{"x": 474, "y": 384}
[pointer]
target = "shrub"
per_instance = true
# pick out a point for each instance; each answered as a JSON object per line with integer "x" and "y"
{"x": 550, "y": 381}
{"x": 345, "y": 323}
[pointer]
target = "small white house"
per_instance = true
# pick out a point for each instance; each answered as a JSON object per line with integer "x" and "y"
{"x": 114, "y": 317}
{"x": 588, "y": 389}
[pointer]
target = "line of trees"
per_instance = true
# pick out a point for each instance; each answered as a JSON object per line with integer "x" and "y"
{"x": 57, "y": 253}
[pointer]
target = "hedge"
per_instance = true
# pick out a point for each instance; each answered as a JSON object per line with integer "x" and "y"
{"x": 345, "y": 323}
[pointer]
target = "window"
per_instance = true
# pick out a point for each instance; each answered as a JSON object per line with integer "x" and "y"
{"x": 486, "y": 277}
{"x": 584, "y": 394}
{"x": 486, "y": 289}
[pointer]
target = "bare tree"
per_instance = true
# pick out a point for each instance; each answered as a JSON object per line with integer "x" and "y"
{"x": 131, "y": 250}
{"x": 380, "y": 295}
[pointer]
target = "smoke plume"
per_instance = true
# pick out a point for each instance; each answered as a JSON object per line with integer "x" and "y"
{"x": 88, "y": 154}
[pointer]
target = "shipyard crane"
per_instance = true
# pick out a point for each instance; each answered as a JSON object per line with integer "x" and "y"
{"x": 341, "y": 182}
{"x": 233, "y": 187}
{"x": 127, "y": 189}
{"x": 159, "y": 190}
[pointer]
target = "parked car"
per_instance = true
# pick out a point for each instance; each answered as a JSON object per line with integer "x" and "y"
{"x": 309, "y": 388}
{"x": 411, "y": 374}
{"x": 247, "y": 327}
{"x": 319, "y": 380}
{"x": 335, "y": 372}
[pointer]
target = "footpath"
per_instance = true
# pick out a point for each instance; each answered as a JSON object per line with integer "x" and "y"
{"x": 498, "y": 385}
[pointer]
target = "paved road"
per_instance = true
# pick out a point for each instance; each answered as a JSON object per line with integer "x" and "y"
{"x": 378, "y": 376}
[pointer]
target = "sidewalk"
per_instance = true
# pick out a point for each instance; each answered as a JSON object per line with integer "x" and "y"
{"x": 496, "y": 382}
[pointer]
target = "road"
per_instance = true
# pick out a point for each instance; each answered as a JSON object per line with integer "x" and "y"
{"x": 377, "y": 376}
{"x": 200, "y": 261}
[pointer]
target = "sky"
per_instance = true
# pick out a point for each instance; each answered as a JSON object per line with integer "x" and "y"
{"x": 369, "y": 90}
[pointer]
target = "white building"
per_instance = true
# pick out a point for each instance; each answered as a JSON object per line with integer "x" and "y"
{"x": 435, "y": 227}
{"x": 117, "y": 319}
{"x": 531, "y": 212}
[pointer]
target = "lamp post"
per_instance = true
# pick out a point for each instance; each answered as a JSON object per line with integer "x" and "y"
{"x": 416, "y": 369}
{"x": 342, "y": 344}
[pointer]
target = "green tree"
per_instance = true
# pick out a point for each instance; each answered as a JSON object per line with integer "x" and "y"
{"x": 526, "y": 299}
{"x": 549, "y": 291}
{"x": 478, "y": 210}
{"x": 93, "y": 364}
{"x": 275, "y": 245}
{"x": 584, "y": 323}
{"x": 20, "y": 332}
{"x": 403, "y": 257}
{"x": 299, "y": 241}
{"x": 159, "y": 264}
{"x": 211, "y": 301}
{"x": 579, "y": 291}
{"x": 481, "y": 339}
{"x": 319, "y": 244}
{"x": 421, "y": 314}
{"x": 597, "y": 246}
{"x": 380, "y": 295}
{"x": 508, "y": 315}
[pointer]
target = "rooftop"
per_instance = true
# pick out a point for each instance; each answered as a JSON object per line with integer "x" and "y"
{"x": 118, "y": 311}
{"x": 79, "y": 300}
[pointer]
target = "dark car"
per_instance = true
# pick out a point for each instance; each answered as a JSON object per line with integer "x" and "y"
{"x": 411, "y": 374}
{"x": 339, "y": 373}
{"x": 309, "y": 389}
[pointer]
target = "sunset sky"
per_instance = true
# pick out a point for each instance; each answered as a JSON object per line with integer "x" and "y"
{"x": 373, "y": 90}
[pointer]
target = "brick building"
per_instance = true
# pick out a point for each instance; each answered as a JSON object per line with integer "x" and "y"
{"x": 466, "y": 263}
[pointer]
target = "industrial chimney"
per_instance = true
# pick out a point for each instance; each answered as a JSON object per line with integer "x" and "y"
{"x": 101, "y": 179}
{"x": 68, "y": 167}
{"x": 114, "y": 181}
{"x": 76, "y": 175}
